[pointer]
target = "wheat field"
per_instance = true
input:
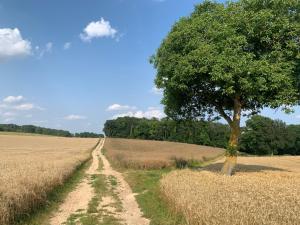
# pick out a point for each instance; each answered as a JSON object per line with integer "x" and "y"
{"x": 144, "y": 154}
{"x": 263, "y": 191}
{"x": 31, "y": 166}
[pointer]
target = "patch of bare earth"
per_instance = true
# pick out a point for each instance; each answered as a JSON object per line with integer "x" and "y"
{"x": 78, "y": 199}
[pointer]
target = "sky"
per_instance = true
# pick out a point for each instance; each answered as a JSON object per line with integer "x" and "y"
{"x": 73, "y": 64}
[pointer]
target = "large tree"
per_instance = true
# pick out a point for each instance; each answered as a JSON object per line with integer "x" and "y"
{"x": 229, "y": 60}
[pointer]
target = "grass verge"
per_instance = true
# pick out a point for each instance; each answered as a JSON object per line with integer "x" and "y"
{"x": 42, "y": 214}
{"x": 146, "y": 184}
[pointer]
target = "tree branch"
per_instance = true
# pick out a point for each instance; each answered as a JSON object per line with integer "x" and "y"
{"x": 224, "y": 115}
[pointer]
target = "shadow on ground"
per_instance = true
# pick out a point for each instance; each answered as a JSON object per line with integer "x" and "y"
{"x": 216, "y": 167}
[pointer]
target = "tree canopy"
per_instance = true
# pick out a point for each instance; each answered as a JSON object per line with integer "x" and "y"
{"x": 230, "y": 59}
{"x": 246, "y": 51}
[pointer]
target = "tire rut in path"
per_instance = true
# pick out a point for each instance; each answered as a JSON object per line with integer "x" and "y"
{"x": 131, "y": 213}
{"x": 80, "y": 197}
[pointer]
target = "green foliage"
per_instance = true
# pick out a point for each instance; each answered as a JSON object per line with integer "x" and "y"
{"x": 34, "y": 130}
{"x": 264, "y": 136}
{"x": 88, "y": 135}
{"x": 231, "y": 151}
{"x": 245, "y": 50}
{"x": 45, "y": 131}
{"x": 146, "y": 184}
{"x": 193, "y": 132}
{"x": 180, "y": 163}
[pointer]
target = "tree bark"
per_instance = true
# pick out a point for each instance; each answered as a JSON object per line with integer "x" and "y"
{"x": 231, "y": 151}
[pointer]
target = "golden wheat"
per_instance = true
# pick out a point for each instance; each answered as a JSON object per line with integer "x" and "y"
{"x": 155, "y": 154}
{"x": 31, "y": 166}
{"x": 263, "y": 191}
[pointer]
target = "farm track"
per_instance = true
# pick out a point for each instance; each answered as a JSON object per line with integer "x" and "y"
{"x": 131, "y": 213}
{"x": 79, "y": 199}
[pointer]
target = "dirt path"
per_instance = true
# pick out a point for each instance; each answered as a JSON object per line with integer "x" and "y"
{"x": 78, "y": 199}
{"x": 130, "y": 213}
{"x": 119, "y": 203}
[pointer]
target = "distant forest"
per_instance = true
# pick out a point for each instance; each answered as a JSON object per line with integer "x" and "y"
{"x": 260, "y": 136}
{"x": 45, "y": 131}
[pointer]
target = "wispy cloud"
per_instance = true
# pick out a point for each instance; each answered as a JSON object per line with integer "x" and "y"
{"x": 118, "y": 107}
{"x": 8, "y": 114}
{"x": 13, "y": 107}
{"x": 98, "y": 29}
{"x": 7, "y": 120}
{"x": 151, "y": 112}
{"x": 67, "y": 45}
{"x": 44, "y": 50}
{"x": 74, "y": 117}
{"x": 13, "y": 99}
{"x": 24, "y": 107}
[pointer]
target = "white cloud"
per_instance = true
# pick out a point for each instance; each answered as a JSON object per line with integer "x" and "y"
{"x": 98, "y": 29}
{"x": 298, "y": 116}
{"x": 15, "y": 107}
{"x": 118, "y": 107}
{"x": 24, "y": 107}
{"x": 67, "y": 45}
{"x": 75, "y": 117}
{"x": 156, "y": 91}
{"x": 13, "y": 99}
{"x": 17, "y": 103}
{"x": 152, "y": 112}
{"x": 12, "y": 44}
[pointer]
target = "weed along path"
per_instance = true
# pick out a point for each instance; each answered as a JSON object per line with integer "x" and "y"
{"x": 103, "y": 197}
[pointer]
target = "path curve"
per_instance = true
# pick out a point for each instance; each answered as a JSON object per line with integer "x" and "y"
{"x": 131, "y": 213}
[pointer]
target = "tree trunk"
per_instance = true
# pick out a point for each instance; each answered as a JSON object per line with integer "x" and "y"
{"x": 231, "y": 151}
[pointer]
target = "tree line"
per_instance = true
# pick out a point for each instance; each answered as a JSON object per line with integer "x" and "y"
{"x": 264, "y": 136}
{"x": 45, "y": 131}
{"x": 260, "y": 136}
{"x": 194, "y": 132}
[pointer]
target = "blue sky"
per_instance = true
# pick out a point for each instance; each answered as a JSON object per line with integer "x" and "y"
{"x": 73, "y": 64}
